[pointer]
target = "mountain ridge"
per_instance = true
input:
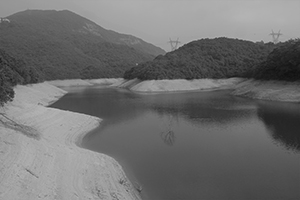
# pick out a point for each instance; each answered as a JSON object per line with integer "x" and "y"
{"x": 93, "y": 28}
{"x": 62, "y": 45}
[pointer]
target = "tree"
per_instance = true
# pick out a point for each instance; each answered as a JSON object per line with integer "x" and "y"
{"x": 13, "y": 72}
{"x": 6, "y": 92}
{"x": 205, "y": 58}
{"x": 283, "y": 63}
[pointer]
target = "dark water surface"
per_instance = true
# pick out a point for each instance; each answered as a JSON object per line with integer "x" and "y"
{"x": 205, "y": 145}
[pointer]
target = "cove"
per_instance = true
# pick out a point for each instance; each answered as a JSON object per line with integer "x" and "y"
{"x": 195, "y": 145}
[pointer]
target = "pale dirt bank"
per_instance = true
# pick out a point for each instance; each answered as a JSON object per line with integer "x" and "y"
{"x": 40, "y": 160}
{"x": 104, "y": 81}
{"x": 264, "y": 90}
{"x": 177, "y": 85}
{"x": 269, "y": 90}
{"x": 69, "y": 83}
{"x": 85, "y": 82}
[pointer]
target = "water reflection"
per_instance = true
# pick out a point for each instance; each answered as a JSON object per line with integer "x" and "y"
{"x": 197, "y": 108}
{"x": 168, "y": 135}
{"x": 106, "y": 103}
{"x": 202, "y": 107}
{"x": 219, "y": 147}
{"x": 119, "y": 105}
{"x": 283, "y": 123}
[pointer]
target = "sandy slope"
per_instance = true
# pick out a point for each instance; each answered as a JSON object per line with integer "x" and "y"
{"x": 86, "y": 82}
{"x": 69, "y": 83}
{"x": 269, "y": 90}
{"x": 104, "y": 81}
{"x": 265, "y": 90}
{"x": 177, "y": 85}
{"x": 40, "y": 160}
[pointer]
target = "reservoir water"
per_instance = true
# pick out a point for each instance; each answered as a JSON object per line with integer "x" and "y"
{"x": 195, "y": 145}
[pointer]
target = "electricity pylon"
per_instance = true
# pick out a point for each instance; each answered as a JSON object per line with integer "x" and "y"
{"x": 275, "y": 36}
{"x": 174, "y": 44}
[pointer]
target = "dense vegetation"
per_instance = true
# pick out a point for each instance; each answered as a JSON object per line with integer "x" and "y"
{"x": 283, "y": 63}
{"x": 45, "y": 45}
{"x": 12, "y": 72}
{"x": 62, "y": 44}
{"x": 205, "y": 58}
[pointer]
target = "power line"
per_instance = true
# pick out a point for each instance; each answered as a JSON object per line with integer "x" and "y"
{"x": 174, "y": 44}
{"x": 275, "y": 36}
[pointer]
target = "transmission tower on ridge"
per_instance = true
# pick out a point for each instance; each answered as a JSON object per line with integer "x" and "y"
{"x": 275, "y": 36}
{"x": 174, "y": 44}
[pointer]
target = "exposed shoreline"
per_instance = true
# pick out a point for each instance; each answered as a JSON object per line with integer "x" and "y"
{"x": 40, "y": 158}
{"x": 179, "y": 85}
{"x": 280, "y": 91}
{"x": 249, "y": 88}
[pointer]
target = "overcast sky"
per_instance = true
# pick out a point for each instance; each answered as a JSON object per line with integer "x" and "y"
{"x": 156, "y": 21}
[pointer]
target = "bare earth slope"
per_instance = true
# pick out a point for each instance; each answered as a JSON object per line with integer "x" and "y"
{"x": 250, "y": 88}
{"x": 269, "y": 90}
{"x": 177, "y": 85}
{"x": 40, "y": 160}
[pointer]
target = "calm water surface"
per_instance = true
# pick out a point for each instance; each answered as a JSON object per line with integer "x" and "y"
{"x": 201, "y": 145}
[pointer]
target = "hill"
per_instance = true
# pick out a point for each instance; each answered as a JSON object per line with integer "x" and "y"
{"x": 62, "y": 44}
{"x": 283, "y": 63}
{"x": 205, "y": 58}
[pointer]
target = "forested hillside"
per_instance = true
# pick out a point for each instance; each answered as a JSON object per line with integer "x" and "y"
{"x": 62, "y": 44}
{"x": 283, "y": 63}
{"x": 12, "y": 72}
{"x": 205, "y": 58}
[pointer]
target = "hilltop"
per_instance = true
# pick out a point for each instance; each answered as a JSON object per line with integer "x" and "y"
{"x": 205, "y": 58}
{"x": 62, "y": 44}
